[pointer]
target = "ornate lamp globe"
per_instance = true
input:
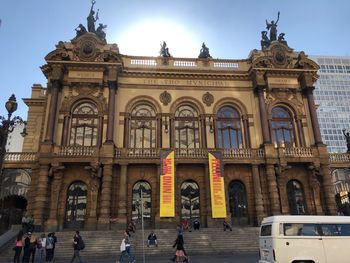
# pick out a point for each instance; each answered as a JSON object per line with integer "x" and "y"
{"x": 11, "y": 104}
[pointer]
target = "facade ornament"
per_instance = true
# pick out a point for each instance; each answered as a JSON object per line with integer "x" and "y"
{"x": 164, "y": 50}
{"x": 95, "y": 169}
{"x": 265, "y": 41}
{"x": 100, "y": 33}
{"x": 165, "y": 98}
{"x": 204, "y": 52}
{"x": 273, "y": 28}
{"x": 281, "y": 39}
{"x": 208, "y": 99}
{"x": 81, "y": 30}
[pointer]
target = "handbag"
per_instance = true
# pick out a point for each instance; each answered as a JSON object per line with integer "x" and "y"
{"x": 122, "y": 246}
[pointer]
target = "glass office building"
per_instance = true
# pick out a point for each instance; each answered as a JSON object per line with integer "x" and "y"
{"x": 332, "y": 95}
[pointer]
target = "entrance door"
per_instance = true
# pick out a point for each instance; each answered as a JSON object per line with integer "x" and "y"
{"x": 76, "y": 205}
{"x": 190, "y": 201}
{"x": 141, "y": 205}
{"x": 238, "y": 203}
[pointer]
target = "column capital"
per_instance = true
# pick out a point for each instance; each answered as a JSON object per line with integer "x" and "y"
{"x": 260, "y": 88}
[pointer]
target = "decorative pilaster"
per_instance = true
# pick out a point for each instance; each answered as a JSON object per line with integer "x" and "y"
{"x": 65, "y": 130}
{"x": 245, "y": 120}
{"x": 203, "y": 132}
{"x": 111, "y": 108}
{"x": 56, "y": 172}
{"x": 313, "y": 114}
{"x": 105, "y": 203}
{"x": 263, "y": 114}
{"x": 41, "y": 195}
{"x": 273, "y": 191}
{"x": 328, "y": 190}
{"x": 259, "y": 205}
{"x": 55, "y": 87}
{"x": 122, "y": 195}
{"x": 300, "y": 131}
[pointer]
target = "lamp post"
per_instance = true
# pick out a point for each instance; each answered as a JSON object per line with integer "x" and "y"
{"x": 6, "y": 126}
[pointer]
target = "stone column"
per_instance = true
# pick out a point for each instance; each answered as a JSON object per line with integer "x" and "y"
{"x": 203, "y": 132}
{"x": 57, "y": 174}
{"x": 300, "y": 131}
{"x": 259, "y": 203}
{"x": 313, "y": 114}
{"x": 41, "y": 195}
{"x": 111, "y": 108}
{"x": 123, "y": 185}
{"x": 331, "y": 207}
{"x": 105, "y": 201}
{"x": 263, "y": 114}
{"x": 126, "y": 142}
{"x": 246, "y": 131}
{"x": 65, "y": 134}
{"x": 55, "y": 87}
{"x": 273, "y": 191}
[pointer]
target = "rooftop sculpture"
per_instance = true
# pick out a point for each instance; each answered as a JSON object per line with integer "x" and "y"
{"x": 272, "y": 27}
{"x": 164, "y": 50}
{"x": 91, "y": 20}
{"x": 204, "y": 52}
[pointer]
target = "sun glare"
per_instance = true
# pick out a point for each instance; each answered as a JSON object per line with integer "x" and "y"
{"x": 145, "y": 38}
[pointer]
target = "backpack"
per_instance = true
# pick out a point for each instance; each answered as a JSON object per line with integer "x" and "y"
{"x": 81, "y": 244}
{"x": 49, "y": 243}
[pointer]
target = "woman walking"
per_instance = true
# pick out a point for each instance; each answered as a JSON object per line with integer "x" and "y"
{"x": 18, "y": 247}
{"x": 125, "y": 248}
{"x": 180, "y": 249}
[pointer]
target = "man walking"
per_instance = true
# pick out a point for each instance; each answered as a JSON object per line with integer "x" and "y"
{"x": 78, "y": 244}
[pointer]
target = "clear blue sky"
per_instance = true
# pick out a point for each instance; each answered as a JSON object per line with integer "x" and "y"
{"x": 230, "y": 28}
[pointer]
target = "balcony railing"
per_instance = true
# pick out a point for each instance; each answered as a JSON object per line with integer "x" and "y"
{"x": 191, "y": 153}
{"x": 143, "y": 152}
{"x": 298, "y": 152}
{"x": 20, "y": 157}
{"x": 339, "y": 157}
{"x": 77, "y": 151}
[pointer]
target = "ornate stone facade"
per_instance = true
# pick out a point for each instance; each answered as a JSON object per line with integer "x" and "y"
{"x": 99, "y": 126}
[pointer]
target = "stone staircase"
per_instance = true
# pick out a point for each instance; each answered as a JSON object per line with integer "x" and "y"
{"x": 105, "y": 244}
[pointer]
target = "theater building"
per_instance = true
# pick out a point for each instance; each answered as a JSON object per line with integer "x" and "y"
{"x": 99, "y": 126}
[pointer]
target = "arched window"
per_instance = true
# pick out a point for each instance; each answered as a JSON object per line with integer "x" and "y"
{"x": 141, "y": 202}
{"x": 84, "y": 125}
{"x": 76, "y": 205}
{"x": 238, "y": 202}
{"x": 190, "y": 200}
{"x": 228, "y": 128}
{"x": 186, "y": 127}
{"x": 143, "y": 127}
{"x": 296, "y": 198}
{"x": 282, "y": 127}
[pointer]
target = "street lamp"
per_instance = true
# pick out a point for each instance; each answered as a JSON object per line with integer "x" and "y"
{"x": 6, "y": 126}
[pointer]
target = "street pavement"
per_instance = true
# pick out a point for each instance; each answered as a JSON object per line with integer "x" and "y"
{"x": 229, "y": 258}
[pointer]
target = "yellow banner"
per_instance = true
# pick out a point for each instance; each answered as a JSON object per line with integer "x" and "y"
{"x": 217, "y": 187}
{"x": 167, "y": 189}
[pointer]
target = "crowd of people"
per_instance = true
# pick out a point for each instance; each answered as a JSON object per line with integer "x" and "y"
{"x": 44, "y": 246}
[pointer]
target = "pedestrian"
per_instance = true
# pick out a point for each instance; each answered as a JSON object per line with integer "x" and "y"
{"x": 78, "y": 245}
{"x": 49, "y": 248}
{"x": 26, "y": 250}
{"x": 180, "y": 249}
{"x": 41, "y": 247}
{"x": 53, "y": 234}
{"x": 18, "y": 246}
{"x": 226, "y": 226}
{"x": 125, "y": 248}
{"x": 152, "y": 239}
{"x": 196, "y": 224}
{"x": 32, "y": 246}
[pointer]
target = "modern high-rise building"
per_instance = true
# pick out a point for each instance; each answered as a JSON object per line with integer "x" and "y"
{"x": 332, "y": 94}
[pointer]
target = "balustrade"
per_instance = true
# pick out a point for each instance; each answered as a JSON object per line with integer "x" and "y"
{"x": 298, "y": 152}
{"x": 339, "y": 157}
{"x": 77, "y": 151}
{"x": 20, "y": 156}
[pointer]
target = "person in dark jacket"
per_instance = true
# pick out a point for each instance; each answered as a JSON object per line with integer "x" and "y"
{"x": 77, "y": 246}
{"x": 152, "y": 239}
{"x": 26, "y": 250}
{"x": 180, "y": 249}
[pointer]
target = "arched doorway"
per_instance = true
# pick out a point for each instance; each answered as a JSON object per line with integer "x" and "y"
{"x": 238, "y": 203}
{"x": 142, "y": 203}
{"x": 76, "y": 205}
{"x": 190, "y": 202}
{"x": 12, "y": 210}
{"x": 296, "y": 198}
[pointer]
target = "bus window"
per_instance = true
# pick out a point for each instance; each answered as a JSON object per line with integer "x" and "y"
{"x": 295, "y": 229}
{"x": 265, "y": 230}
{"x": 344, "y": 229}
{"x": 330, "y": 230}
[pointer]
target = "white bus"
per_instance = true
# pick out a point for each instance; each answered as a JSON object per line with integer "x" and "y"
{"x": 305, "y": 239}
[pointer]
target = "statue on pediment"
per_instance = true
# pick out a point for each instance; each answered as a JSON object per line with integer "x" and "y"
{"x": 81, "y": 30}
{"x": 281, "y": 39}
{"x": 347, "y": 138}
{"x": 272, "y": 26}
{"x": 91, "y": 19}
{"x": 204, "y": 52}
{"x": 265, "y": 41}
{"x": 100, "y": 33}
{"x": 164, "y": 51}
